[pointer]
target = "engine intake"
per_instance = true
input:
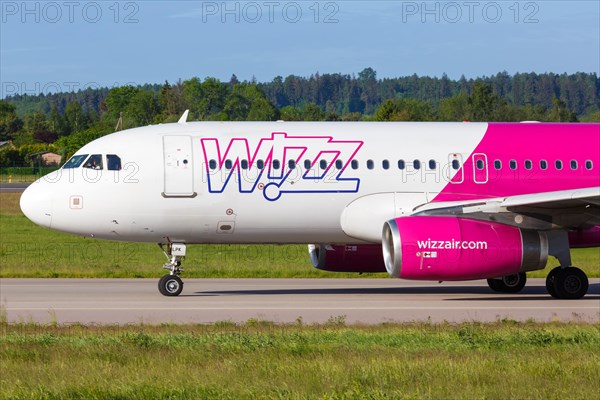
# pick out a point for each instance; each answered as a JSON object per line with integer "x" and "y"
{"x": 452, "y": 248}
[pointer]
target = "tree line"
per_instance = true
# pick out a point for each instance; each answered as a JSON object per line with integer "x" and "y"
{"x": 343, "y": 94}
{"x": 63, "y": 122}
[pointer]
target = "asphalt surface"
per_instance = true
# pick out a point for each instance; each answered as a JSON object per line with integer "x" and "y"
{"x": 368, "y": 301}
{"x": 13, "y": 187}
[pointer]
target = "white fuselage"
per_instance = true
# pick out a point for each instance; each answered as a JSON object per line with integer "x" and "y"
{"x": 202, "y": 182}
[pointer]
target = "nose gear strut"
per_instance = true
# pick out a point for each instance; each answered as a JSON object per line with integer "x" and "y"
{"x": 171, "y": 284}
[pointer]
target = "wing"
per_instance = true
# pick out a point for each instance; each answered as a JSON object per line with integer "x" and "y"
{"x": 565, "y": 209}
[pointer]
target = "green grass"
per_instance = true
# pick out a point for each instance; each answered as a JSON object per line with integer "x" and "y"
{"x": 260, "y": 360}
{"x": 586, "y": 259}
{"x": 29, "y": 251}
{"x": 7, "y": 178}
{"x": 23, "y": 174}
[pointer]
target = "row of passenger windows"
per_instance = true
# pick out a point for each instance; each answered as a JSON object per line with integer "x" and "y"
{"x": 543, "y": 164}
{"x": 95, "y": 161}
{"x": 402, "y": 164}
{"x": 323, "y": 164}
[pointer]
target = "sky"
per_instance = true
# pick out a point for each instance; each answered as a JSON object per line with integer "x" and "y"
{"x": 50, "y": 46}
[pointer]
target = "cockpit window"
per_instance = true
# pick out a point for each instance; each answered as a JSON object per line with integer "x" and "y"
{"x": 113, "y": 162}
{"x": 94, "y": 162}
{"x": 75, "y": 161}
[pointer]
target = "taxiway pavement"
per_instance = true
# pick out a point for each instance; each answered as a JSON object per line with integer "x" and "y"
{"x": 13, "y": 187}
{"x": 367, "y": 301}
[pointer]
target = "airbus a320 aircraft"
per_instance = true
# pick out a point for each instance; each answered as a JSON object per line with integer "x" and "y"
{"x": 426, "y": 201}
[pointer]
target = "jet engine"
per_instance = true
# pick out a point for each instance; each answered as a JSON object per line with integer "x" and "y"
{"x": 452, "y": 248}
{"x": 585, "y": 238}
{"x": 347, "y": 258}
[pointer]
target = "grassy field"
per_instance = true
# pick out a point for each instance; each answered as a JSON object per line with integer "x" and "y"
{"x": 23, "y": 174}
{"x": 504, "y": 360}
{"x": 19, "y": 178}
{"x": 27, "y": 250}
{"x": 261, "y": 360}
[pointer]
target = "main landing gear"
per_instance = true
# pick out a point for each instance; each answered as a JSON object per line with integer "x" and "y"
{"x": 567, "y": 283}
{"x": 561, "y": 283}
{"x": 508, "y": 284}
{"x": 171, "y": 284}
{"x": 564, "y": 282}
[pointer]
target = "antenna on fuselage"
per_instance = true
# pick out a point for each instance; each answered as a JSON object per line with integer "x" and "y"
{"x": 183, "y": 119}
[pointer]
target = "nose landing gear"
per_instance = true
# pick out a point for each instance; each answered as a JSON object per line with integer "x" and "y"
{"x": 171, "y": 284}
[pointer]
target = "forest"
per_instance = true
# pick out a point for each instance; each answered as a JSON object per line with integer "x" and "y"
{"x": 63, "y": 122}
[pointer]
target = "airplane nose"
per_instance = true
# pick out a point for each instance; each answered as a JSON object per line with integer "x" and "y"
{"x": 36, "y": 203}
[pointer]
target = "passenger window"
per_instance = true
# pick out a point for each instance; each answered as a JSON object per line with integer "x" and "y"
{"x": 543, "y": 164}
{"x": 455, "y": 165}
{"x": 589, "y": 165}
{"x": 558, "y": 164}
{"x": 244, "y": 164}
{"x": 528, "y": 164}
{"x": 276, "y": 164}
{"x": 497, "y": 165}
{"x": 291, "y": 164}
{"x": 339, "y": 164}
{"x": 228, "y": 164}
{"x": 323, "y": 164}
{"x": 354, "y": 164}
{"x": 574, "y": 164}
{"x": 260, "y": 164}
{"x": 480, "y": 164}
{"x": 75, "y": 161}
{"x": 417, "y": 164}
{"x": 307, "y": 164}
{"x": 401, "y": 164}
{"x": 432, "y": 164}
{"x": 212, "y": 164}
{"x": 94, "y": 162}
{"x": 370, "y": 164}
{"x": 385, "y": 164}
{"x": 513, "y": 164}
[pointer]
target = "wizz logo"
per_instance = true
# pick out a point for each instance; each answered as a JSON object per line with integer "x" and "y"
{"x": 277, "y": 165}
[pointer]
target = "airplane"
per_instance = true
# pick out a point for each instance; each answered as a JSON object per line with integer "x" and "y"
{"x": 419, "y": 200}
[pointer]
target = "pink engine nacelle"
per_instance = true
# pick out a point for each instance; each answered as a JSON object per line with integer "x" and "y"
{"x": 347, "y": 258}
{"x": 451, "y": 248}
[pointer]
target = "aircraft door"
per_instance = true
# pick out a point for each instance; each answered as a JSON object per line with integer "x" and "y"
{"x": 179, "y": 166}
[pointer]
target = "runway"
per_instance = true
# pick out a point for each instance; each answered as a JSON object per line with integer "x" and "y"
{"x": 366, "y": 301}
{"x": 13, "y": 187}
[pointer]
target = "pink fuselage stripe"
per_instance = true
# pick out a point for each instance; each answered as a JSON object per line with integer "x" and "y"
{"x": 529, "y": 142}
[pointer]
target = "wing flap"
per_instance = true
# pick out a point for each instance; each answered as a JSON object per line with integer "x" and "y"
{"x": 559, "y": 199}
{"x": 570, "y": 209}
